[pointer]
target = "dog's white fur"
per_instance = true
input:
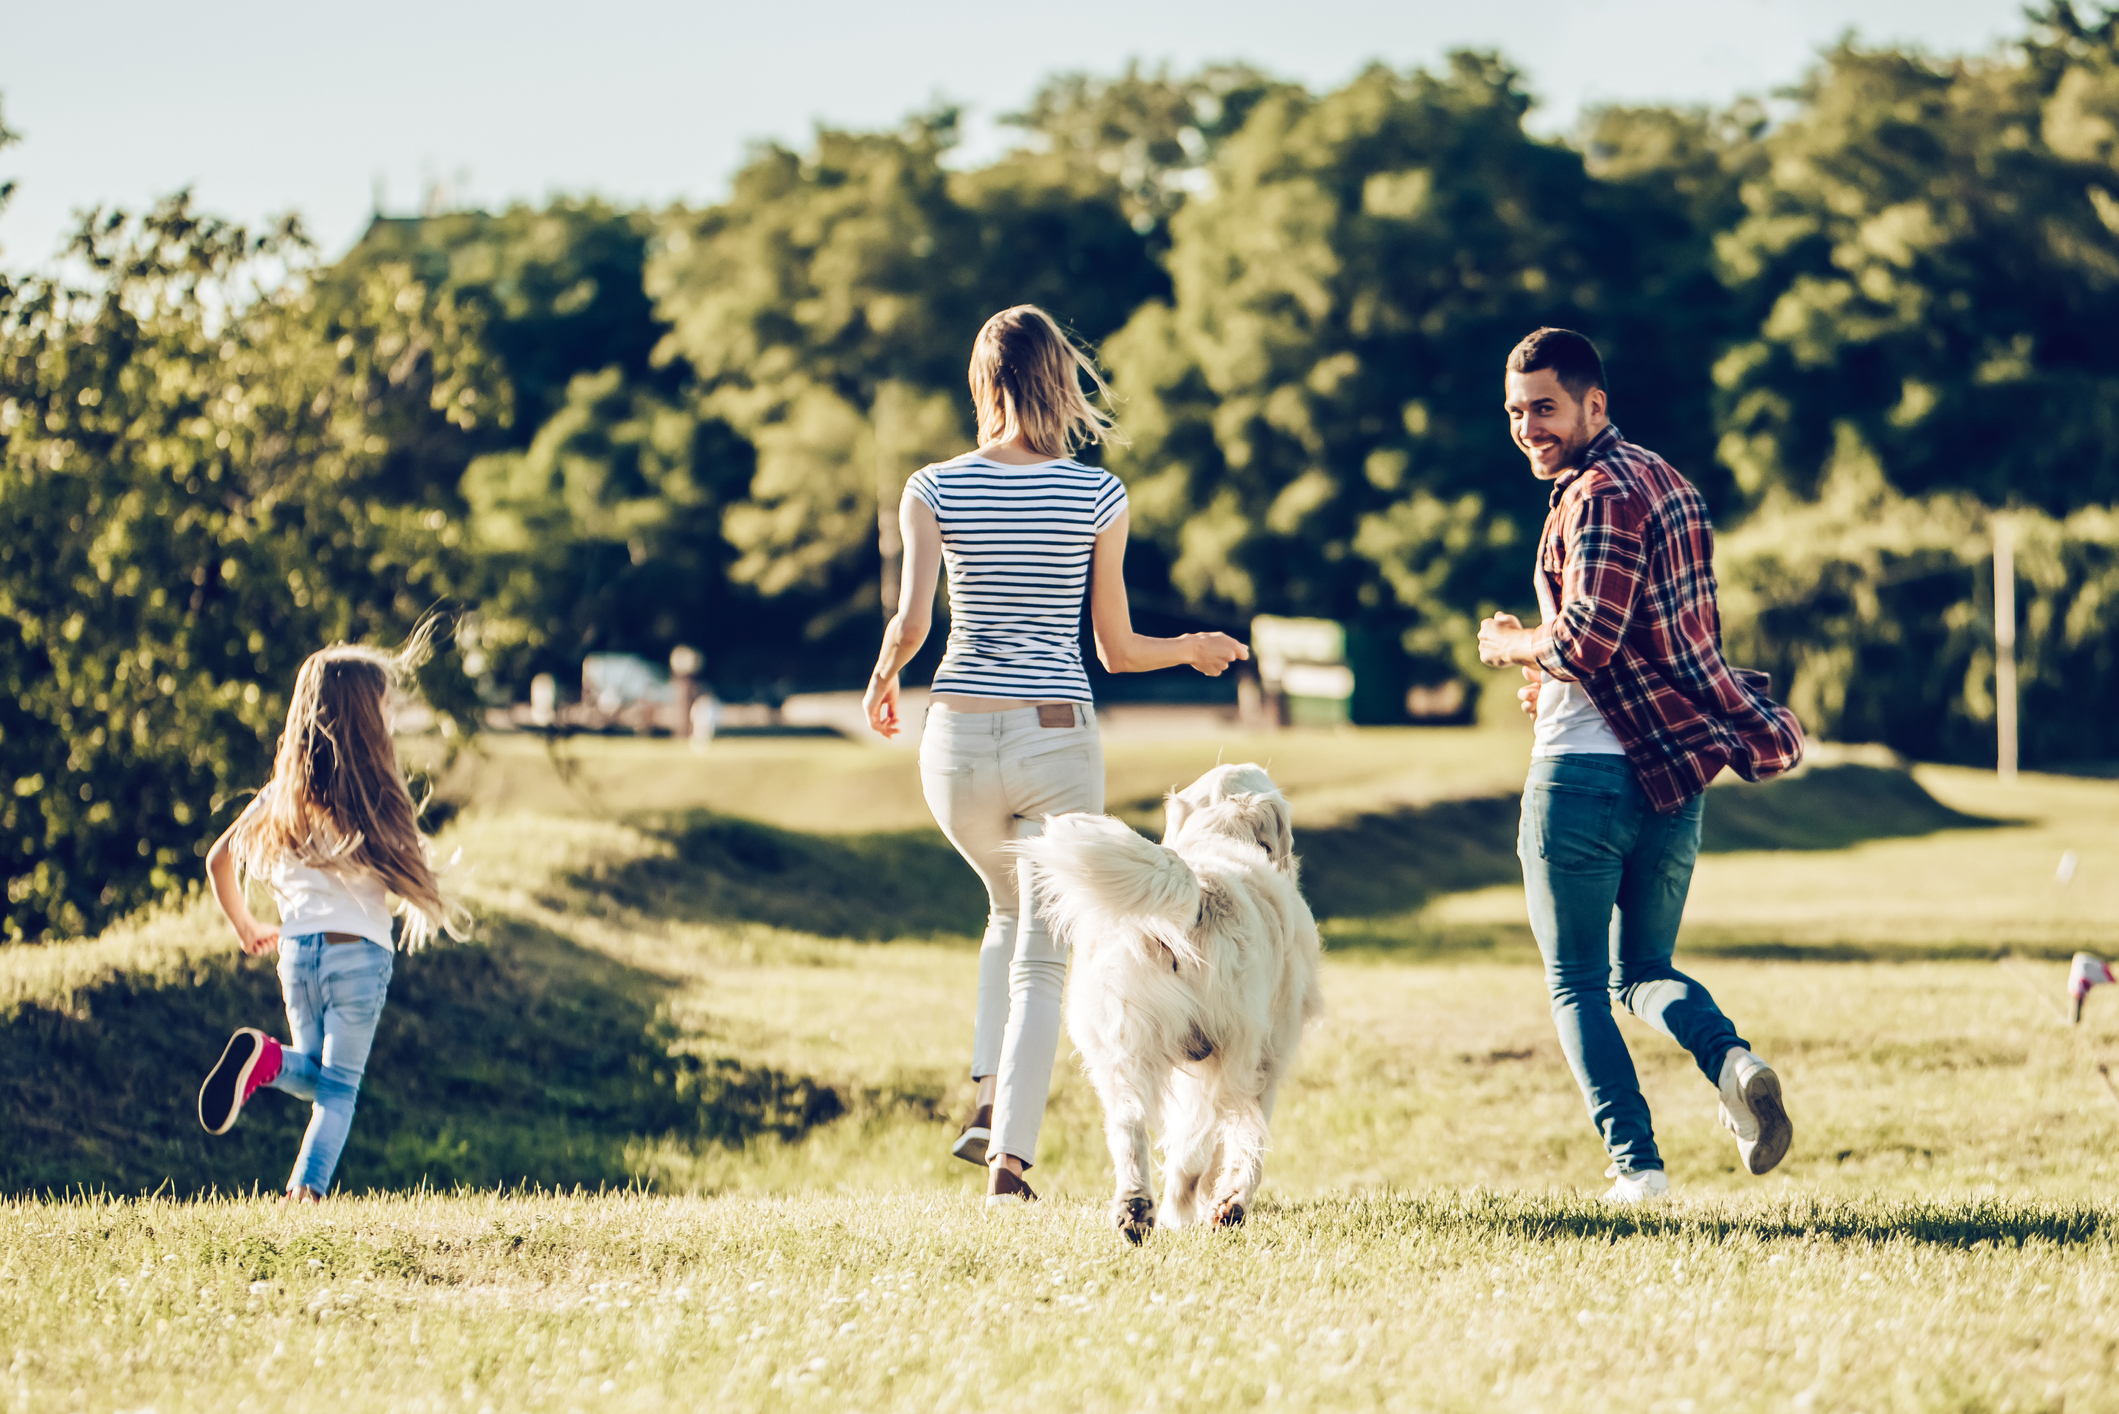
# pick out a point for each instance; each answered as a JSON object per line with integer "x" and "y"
{"x": 1195, "y": 970}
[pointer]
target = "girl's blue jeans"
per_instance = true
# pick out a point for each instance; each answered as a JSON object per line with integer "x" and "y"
{"x": 1606, "y": 879}
{"x": 334, "y": 995}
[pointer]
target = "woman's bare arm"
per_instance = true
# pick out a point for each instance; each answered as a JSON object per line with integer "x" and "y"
{"x": 907, "y": 630}
{"x": 1118, "y": 647}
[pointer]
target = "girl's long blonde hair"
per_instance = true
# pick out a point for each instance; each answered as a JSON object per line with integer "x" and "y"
{"x": 1026, "y": 377}
{"x": 337, "y": 800}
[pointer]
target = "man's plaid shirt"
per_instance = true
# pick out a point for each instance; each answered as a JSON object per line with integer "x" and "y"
{"x": 1626, "y": 582}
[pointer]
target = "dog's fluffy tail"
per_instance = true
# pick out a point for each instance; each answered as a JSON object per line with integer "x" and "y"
{"x": 1091, "y": 871}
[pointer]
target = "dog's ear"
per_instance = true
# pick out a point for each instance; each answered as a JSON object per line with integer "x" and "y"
{"x": 1272, "y": 823}
{"x": 1176, "y": 810}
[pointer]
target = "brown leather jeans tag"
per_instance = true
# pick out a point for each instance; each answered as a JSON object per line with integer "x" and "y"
{"x": 1055, "y": 714}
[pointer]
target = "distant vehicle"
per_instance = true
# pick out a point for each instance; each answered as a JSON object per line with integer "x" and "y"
{"x": 1302, "y": 666}
{"x": 612, "y": 682}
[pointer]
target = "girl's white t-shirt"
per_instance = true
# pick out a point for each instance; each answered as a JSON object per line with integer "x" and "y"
{"x": 314, "y": 900}
{"x": 318, "y": 901}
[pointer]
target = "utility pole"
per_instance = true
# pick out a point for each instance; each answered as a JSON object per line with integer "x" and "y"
{"x": 2004, "y": 649}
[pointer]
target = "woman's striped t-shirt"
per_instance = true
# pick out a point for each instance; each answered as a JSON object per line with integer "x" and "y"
{"x": 1017, "y": 541}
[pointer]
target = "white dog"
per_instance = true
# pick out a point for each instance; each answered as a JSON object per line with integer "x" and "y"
{"x": 1195, "y": 969}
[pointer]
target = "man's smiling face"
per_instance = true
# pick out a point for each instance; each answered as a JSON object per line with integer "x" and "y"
{"x": 1549, "y": 424}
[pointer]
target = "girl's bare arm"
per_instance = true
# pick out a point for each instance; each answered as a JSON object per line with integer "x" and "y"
{"x": 255, "y": 937}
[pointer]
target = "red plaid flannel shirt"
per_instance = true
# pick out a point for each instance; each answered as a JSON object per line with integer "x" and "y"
{"x": 1626, "y": 583}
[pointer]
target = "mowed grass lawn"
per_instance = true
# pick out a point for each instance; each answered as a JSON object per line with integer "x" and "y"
{"x": 1942, "y": 1236}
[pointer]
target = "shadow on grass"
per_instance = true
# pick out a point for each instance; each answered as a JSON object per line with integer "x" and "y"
{"x": 522, "y": 1058}
{"x": 1369, "y": 878}
{"x": 1962, "y": 1223}
{"x": 865, "y": 887}
{"x": 1828, "y": 807}
{"x": 1379, "y": 865}
{"x": 1383, "y": 867}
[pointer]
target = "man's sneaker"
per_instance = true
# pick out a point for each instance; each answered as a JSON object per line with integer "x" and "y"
{"x": 2087, "y": 972}
{"x": 1640, "y": 1186}
{"x": 1006, "y": 1191}
{"x": 252, "y": 1059}
{"x": 1752, "y": 1110}
{"x": 970, "y": 1146}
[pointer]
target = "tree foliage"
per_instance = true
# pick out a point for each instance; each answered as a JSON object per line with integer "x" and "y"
{"x": 827, "y": 312}
{"x": 557, "y": 291}
{"x": 1316, "y": 412}
{"x": 1928, "y": 258}
{"x": 1140, "y": 140}
{"x": 825, "y": 280}
{"x": 604, "y": 534}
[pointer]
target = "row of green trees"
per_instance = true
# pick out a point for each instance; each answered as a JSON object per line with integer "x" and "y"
{"x": 1864, "y": 322}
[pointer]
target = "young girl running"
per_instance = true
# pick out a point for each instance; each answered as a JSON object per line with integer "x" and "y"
{"x": 332, "y": 834}
{"x": 1026, "y": 532}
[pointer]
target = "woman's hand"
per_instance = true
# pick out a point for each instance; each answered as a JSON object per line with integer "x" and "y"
{"x": 257, "y": 939}
{"x": 880, "y": 702}
{"x": 1212, "y": 653}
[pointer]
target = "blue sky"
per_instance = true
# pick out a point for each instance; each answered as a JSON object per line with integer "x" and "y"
{"x": 270, "y": 107}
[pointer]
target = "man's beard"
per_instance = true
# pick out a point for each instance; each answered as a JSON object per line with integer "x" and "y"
{"x": 1578, "y": 440}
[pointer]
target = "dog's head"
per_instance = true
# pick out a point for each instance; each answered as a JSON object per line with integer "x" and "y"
{"x": 1264, "y": 812}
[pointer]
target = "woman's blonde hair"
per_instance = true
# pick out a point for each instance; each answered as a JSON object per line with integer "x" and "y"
{"x": 1026, "y": 377}
{"x": 337, "y": 800}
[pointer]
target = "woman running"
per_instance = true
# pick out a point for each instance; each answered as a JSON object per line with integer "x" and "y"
{"x": 332, "y": 834}
{"x": 1026, "y": 531}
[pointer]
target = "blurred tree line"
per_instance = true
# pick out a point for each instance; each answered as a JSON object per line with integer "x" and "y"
{"x": 1866, "y": 321}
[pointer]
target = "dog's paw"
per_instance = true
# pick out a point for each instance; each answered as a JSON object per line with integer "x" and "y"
{"x": 1134, "y": 1218}
{"x": 1228, "y": 1212}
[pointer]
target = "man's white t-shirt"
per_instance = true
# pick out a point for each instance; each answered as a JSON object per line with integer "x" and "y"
{"x": 1569, "y": 724}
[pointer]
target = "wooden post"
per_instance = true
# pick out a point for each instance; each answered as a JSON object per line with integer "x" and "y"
{"x": 2004, "y": 649}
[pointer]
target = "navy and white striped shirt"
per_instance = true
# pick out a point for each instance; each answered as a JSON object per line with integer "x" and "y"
{"x": 1017, "y": 541}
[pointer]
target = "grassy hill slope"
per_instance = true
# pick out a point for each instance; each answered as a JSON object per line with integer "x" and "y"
{"x": 699, "y": 1001}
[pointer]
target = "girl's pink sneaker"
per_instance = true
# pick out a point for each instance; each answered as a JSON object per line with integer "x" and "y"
{"x": 2089, "y": 971}
{"x": 252, "y": 1059}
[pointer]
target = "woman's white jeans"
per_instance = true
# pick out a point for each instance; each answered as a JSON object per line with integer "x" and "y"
{"x": 992, "y": 777}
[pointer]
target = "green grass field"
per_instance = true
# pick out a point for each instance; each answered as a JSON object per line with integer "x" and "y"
{"x": 672, "y": 1131}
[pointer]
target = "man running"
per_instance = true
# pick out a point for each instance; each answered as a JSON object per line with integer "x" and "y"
{"x": 1636, "y": 712}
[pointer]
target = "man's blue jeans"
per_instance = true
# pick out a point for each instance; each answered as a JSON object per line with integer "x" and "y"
{"x": 1606, "y": 878}
{"x": 334, "y": 994}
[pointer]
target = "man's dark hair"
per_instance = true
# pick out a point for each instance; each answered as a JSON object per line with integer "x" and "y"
{"x": 1573, "y": 359}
